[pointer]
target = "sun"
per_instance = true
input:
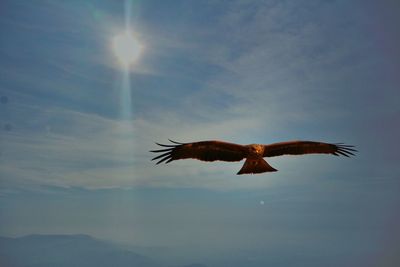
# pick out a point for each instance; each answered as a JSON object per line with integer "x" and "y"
{"x": 126, "y": 48}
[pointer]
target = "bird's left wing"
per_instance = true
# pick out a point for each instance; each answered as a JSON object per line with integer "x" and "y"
{"x": 307, "y": 147}
{"x": 205, "y": 151}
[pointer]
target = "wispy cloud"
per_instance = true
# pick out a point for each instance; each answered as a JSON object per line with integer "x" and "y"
{"x": 58, "y": 147}
{"x": 256, "y": 72}
{"x": 68, "y": 148}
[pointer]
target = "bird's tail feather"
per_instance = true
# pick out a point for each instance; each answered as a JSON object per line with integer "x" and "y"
{"x": 256, "y": 166}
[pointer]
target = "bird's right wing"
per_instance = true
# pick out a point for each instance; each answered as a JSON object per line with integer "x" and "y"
{"x": 205, "y": 151}
{"x": 307, "y": 147}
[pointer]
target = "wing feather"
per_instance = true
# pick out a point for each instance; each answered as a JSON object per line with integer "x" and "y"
{"x": 308, "y": 147}
{"x": 204, "y": 150}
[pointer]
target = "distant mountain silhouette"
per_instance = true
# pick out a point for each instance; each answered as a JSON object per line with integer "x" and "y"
{"x": 69, "y": 250}
{"x": 66, "y": 251}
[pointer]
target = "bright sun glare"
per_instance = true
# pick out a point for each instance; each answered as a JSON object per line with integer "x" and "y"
{"x": 127, "y": 48}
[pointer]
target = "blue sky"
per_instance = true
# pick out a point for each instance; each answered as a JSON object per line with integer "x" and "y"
{"x": 240, "y": 71}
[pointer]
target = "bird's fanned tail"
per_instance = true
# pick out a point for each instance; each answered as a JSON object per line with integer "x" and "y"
{"x": 256, "y": 166}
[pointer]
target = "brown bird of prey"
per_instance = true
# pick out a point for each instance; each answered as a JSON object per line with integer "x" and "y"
{"x": 254, "y": 153}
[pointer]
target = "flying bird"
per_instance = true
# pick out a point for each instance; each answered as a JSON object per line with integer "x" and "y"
{"x": 253, "y": 153}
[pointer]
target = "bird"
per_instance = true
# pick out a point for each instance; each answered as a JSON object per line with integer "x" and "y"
{"x": 253, "y": 154}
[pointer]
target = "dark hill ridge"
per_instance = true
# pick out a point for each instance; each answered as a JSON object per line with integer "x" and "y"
{"x": 69, "y": 250}
{"x": 66, "y": 250}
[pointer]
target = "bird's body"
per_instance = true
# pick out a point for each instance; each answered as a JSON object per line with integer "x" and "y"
{"x": 253, "y": 153}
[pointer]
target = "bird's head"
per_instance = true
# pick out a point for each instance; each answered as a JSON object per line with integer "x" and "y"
{"x": 256, "y": 149}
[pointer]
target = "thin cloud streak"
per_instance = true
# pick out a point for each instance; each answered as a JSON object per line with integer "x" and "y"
{"x": 87, "y": 150}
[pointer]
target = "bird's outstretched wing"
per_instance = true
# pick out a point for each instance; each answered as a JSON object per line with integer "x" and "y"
{"x": 308, "y": 147}
{"x": 205, "y": 150}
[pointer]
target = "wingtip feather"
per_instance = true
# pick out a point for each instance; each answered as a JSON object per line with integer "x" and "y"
{"x": 166, "y": 155}
{"x": 344, "y": 150}
{"x": 175, "y": 142}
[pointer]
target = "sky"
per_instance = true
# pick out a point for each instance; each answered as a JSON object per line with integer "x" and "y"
{"x": 76, "y": 128}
